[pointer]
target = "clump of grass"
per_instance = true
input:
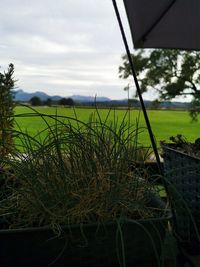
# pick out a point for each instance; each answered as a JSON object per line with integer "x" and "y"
{"x": 79, "y": 173}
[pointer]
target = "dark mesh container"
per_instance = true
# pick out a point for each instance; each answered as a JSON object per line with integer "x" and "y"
{"x": 182, "y": 173}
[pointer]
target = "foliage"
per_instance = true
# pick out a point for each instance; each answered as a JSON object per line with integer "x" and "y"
{"x": 48, "y": 102}
{"x": 66, "y": 102}
{"x": 35, "y": 101}
{"x": 171, "y": 72}
{"x": 194, "y": 109}
{"x": 77, "y": 174}
{"x": 6, "y": 110}
{"x": 155, "y": 104}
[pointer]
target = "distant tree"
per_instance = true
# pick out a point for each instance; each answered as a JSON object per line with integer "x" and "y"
{"x": 171, "y": 72}
{"x": 48, "y": 102}
{"x": 6, "y": 111}
{"x": 155, "y": 104}
{"x": 35, "y": 101}
{"x": 70, "y": 101}
{"x": 66, "y": 102}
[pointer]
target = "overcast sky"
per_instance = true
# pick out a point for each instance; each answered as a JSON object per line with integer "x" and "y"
{"x": 63, "y": 47}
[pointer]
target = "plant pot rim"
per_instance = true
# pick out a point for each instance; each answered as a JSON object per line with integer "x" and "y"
{"x": 96, "y": 224}
{"x": 173, "y": 148}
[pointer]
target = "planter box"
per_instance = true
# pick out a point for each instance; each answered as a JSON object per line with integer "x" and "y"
{"x": 90, "y": 245}
{"x": 182, "y": 172}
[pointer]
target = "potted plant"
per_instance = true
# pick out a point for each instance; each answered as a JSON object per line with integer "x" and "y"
{"x": 182, "y": 173}
{"x": 76, "y": 197}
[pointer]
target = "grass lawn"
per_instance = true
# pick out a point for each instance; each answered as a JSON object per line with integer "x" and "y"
{"x": 164, "y": 123}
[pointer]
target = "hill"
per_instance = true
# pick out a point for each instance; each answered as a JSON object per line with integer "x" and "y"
{"x": 22, "y": 96}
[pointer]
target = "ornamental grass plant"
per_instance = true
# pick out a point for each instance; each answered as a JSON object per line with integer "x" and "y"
{"x": 79, "y": 173}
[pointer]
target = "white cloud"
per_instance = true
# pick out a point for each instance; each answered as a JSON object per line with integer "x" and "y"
{"x": 63, "y": 46}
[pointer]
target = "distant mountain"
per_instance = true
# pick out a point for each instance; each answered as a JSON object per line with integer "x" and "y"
{"x": 23, "y": 96}
{"x": 176, "y": 105}
{"x": 80, "y": 98}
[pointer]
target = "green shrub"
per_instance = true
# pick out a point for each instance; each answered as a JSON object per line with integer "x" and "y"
{"x": 6, "y": 111}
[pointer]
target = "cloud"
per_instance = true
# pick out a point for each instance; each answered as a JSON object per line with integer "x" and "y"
{"x": 66, "y": 45}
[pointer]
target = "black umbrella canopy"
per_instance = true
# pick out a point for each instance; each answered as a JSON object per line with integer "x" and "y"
{"x": 164, "y": 23}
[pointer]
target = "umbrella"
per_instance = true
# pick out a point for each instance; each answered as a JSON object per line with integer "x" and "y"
{"x": 164, "y": 23}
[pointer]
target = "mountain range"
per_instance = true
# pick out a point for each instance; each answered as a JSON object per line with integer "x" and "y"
{"x": 23, "y": 96}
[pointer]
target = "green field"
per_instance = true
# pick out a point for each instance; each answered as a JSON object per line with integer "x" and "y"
{"x": 165, "y": 123}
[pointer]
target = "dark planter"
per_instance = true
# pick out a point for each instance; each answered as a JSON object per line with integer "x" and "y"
{"x": 92, "y": 245}
{"x": 182, "y": 173}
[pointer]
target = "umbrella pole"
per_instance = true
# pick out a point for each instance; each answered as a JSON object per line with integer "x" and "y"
{"x": 138, "y": 87}
{"x": 165, "y": 183}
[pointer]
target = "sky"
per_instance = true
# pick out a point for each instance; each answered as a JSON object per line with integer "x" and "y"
{"x": 64, "y": 47}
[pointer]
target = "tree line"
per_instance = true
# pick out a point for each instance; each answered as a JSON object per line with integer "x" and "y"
{"x": 36, "y": 101}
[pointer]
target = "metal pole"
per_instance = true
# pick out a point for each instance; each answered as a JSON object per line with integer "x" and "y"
{"x": 138, "y": 87}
